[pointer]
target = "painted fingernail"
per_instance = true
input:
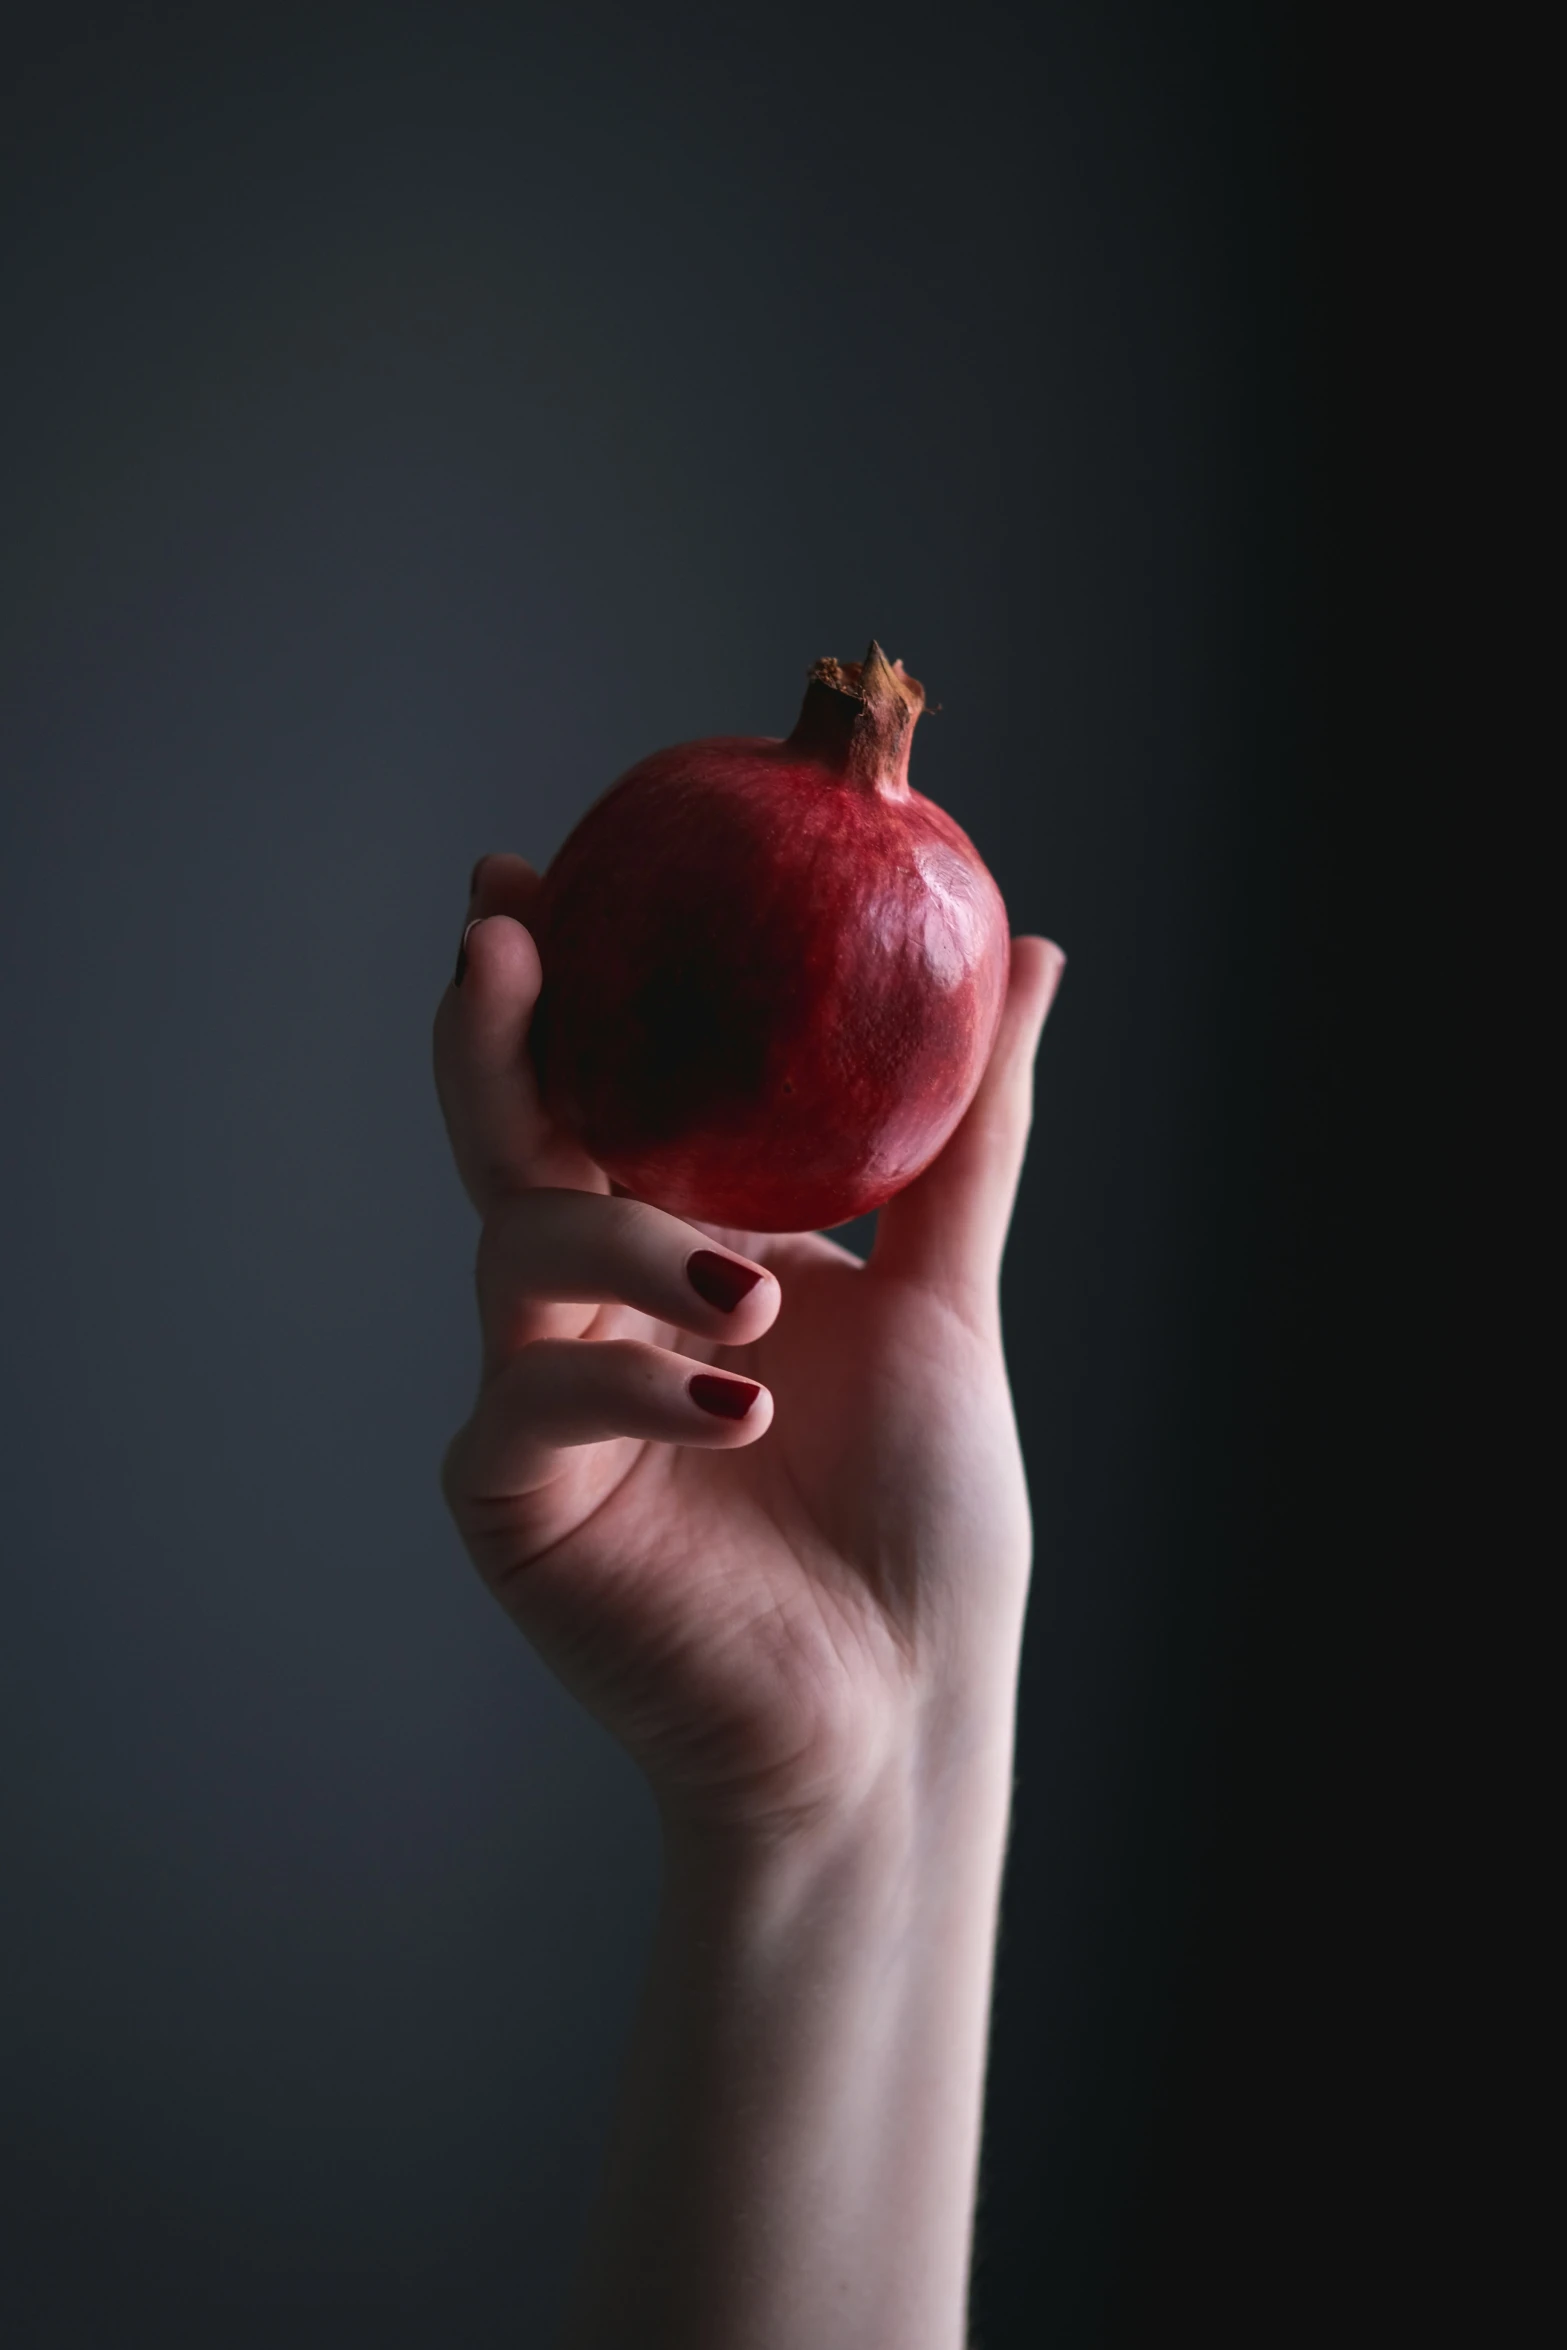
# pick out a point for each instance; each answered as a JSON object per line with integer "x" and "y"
{"x": 473, "y": 878}
{"x": 719, "y": 1281}
{"x": 726, "y": 1399}
{"x": 462, "y": 957}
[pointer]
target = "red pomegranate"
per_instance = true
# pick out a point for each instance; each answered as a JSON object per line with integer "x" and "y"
{"x": 772, "y": 972}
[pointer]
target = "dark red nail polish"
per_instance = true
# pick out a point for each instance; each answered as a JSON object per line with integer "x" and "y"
{"x": 719, "y": 1281}
{"x": 473, "y": 878}
{"x": 462, "y": 958}
{"x": 726, "y": 1399}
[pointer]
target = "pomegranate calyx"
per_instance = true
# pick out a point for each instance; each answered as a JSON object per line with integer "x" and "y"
{"x": 858, "y": 719}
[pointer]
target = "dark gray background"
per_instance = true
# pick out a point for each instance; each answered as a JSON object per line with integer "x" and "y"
{"x": 410, "y": 419}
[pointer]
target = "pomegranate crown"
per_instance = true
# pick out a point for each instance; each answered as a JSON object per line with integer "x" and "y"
{"x": 858, "y": 719}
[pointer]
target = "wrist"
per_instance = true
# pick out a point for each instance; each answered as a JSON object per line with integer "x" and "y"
{"x": 936, "y": 1800}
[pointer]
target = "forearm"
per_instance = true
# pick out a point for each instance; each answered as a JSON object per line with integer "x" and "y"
{"x": 795, "y": 2160}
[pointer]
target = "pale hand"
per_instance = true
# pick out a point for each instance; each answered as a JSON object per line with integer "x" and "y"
{"x": 767, "y": 1611}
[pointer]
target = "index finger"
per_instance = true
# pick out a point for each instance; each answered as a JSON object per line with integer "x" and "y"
{"x": 502, "y": 1139}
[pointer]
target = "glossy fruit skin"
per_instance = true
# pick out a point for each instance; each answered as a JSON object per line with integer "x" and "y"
{"x": 770, "y": 989}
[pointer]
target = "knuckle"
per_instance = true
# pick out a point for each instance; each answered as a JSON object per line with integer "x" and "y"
{"x": 534, "y": 1368}
{"x": 547, "y": 1374}
{"x": 638, "y": 1228}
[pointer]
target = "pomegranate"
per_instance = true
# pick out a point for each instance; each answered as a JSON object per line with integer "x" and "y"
{"x": 772, "y": 972}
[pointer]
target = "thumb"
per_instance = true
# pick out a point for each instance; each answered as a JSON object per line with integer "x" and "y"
{"x": 949, "y": 1226}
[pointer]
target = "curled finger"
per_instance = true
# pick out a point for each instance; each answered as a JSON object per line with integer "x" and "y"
{"x": 562, "y": 1392}
{"x": 559, "y": 1246}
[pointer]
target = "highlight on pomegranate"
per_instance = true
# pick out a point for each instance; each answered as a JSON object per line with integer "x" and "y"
{"x": 773, "y": 971}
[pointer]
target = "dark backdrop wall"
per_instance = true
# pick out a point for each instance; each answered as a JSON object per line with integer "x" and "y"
{"x": 410, "y": 419}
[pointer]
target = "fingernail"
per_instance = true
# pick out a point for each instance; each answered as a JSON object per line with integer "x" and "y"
{"x": 719, "y": 1281}
{"x": 462, "y": 957}
{"x": 726, "y": 1399}
{"x": 473, "y": 878}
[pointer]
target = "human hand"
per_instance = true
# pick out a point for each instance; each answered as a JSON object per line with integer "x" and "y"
{"x": 774, "y": 1601}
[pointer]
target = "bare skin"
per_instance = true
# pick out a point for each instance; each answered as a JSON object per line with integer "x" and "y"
{"x": 804, "y": 1624}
